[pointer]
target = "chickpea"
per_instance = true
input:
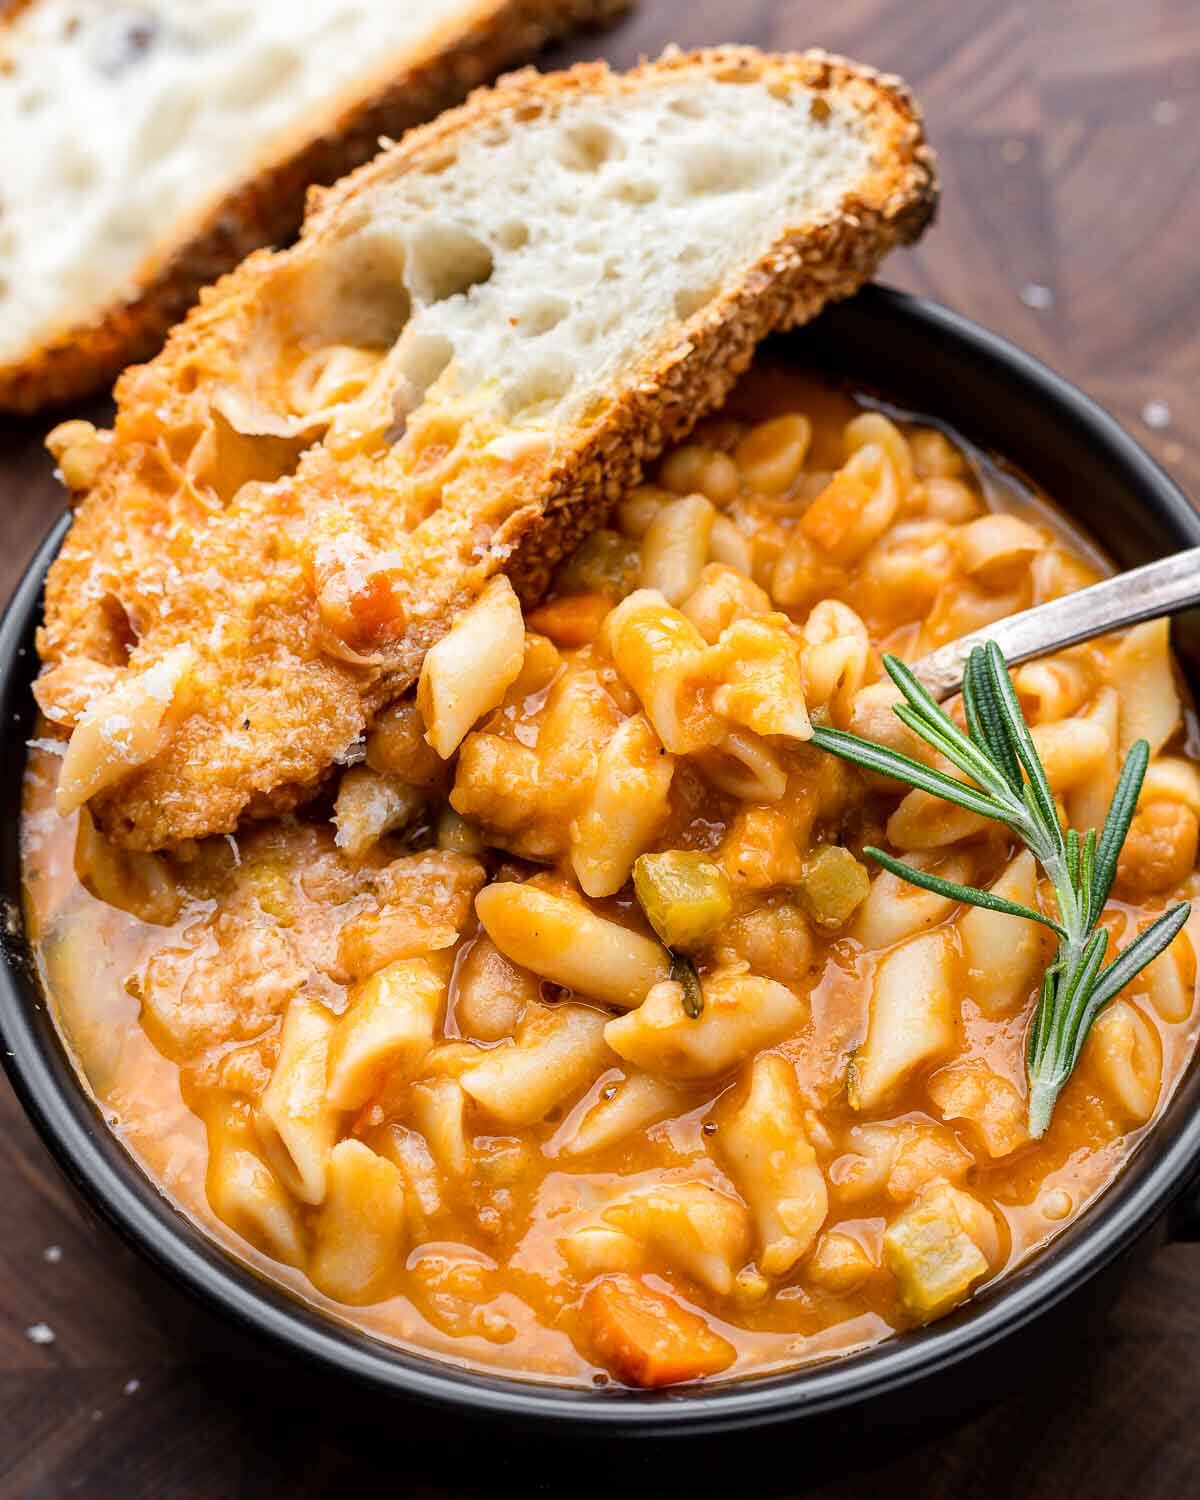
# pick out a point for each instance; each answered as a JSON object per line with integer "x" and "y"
{"x": 839, "y": 1263}
{"x": 723, "y": 433}
{"x": 775, "y": 941}
{"x": 1160, "y": 850}
{"x": 639, "y": 508}
{"x": 694, "y": 470}
{"x": 946, "y": 499}
{"x": 934, "y": 455}
{"x": 396, "y": 746}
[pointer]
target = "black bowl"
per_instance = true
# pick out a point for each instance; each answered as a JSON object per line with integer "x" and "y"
{"x": 928, "y": 358}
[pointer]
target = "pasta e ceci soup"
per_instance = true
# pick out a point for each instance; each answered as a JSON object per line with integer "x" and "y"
{"x": 425, "y": 1053}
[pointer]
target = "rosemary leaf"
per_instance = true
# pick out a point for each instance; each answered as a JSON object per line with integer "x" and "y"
{"x": 977, "y": 680}
{"x": 685, "y": 976}
{"x": 1144, "y": 949}
{"x": 1042, "y": 1013}
{"x": 1087, "y": 876}
{"x": 874, "y": 757}
{"x": 969, "y": 894}
{"x": 977, "y": 729}
{"x": 1061, "y": 1034}
{"x": 1116, "y": 825}
{"x": 973, "y": 764}
{"x": 923, "y": 716}
{"x": 1073, "y": 988}
{"x": 1038, "y": 788}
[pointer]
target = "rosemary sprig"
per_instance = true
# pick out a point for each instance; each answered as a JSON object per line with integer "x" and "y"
{"x": 1007, "y": 782}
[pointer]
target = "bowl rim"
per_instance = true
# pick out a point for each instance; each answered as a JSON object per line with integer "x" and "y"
{"x": 72, "y": 1126}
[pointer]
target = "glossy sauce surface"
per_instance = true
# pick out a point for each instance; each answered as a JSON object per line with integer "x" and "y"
{"x": 508, "y": 1223}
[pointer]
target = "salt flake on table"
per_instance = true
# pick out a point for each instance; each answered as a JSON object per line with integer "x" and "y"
{"x": 1156, "y": 414}
{"x": 1034, "y": 294}
{"x": 52, "y": 1254}
{"x": 40, "y": 1333}
{"x": 131, "y": 1387}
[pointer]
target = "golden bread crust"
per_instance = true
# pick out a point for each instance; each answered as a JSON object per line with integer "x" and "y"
{"x": 162, "y": 554}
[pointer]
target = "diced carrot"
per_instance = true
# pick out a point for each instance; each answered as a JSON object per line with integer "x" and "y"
{"x": 646, "y": 1338}
{"x": 834, "y": 510}
{"x": 573, "y": 620}
{"x": 376, "y": 608}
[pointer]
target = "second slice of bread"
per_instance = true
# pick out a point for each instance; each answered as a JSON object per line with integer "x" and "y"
{"x": 477, "y": 342}
{"x": 145, "y": 149}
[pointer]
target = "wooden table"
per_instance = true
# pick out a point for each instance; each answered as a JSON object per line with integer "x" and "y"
{"x": 1069, "y": 135}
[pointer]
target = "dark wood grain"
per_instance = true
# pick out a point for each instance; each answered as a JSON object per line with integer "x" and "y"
{"x": 1069, "y": 134}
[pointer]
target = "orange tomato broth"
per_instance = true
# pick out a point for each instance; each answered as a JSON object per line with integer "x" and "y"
{"x": 483, "y": 1283}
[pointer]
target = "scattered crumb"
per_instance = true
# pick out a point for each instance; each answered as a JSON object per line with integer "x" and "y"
{"x": 52, "y": 1254}
{"x": 1165, "y": 112}
{"x": 40, "y": 1333}
{"x": 1034, "y": 295}
{"x": 1156, "y": 414}
{"x": 1013, "y": 151}
{"x": 1173, "y": 453}
{"x": 132, "y": 1387}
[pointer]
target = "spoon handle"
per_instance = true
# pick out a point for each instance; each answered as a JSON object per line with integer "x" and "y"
{"x": 1160, "y": 588}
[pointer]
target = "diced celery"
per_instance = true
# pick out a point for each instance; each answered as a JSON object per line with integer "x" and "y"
{"x": 833, "y": 886}
{"x": 456, "y": 835}
{"x": 685, "y": 896}
{"x": 932, "y": 1256}
{"x": 604, "y": 563}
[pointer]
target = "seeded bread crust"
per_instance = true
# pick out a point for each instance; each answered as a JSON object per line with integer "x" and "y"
{"x": 268, "y": 205}
{"x": 695, "y": 368}
{"x": 184, "y": 793}
{"x": 788, "y": 286}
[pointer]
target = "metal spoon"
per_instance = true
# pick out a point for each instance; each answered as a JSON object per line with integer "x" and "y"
{"x": 1160, "y": 588}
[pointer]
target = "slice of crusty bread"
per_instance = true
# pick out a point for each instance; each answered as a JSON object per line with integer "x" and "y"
{"x": 148, "y": 149}
{"x": 465, "y": 359}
